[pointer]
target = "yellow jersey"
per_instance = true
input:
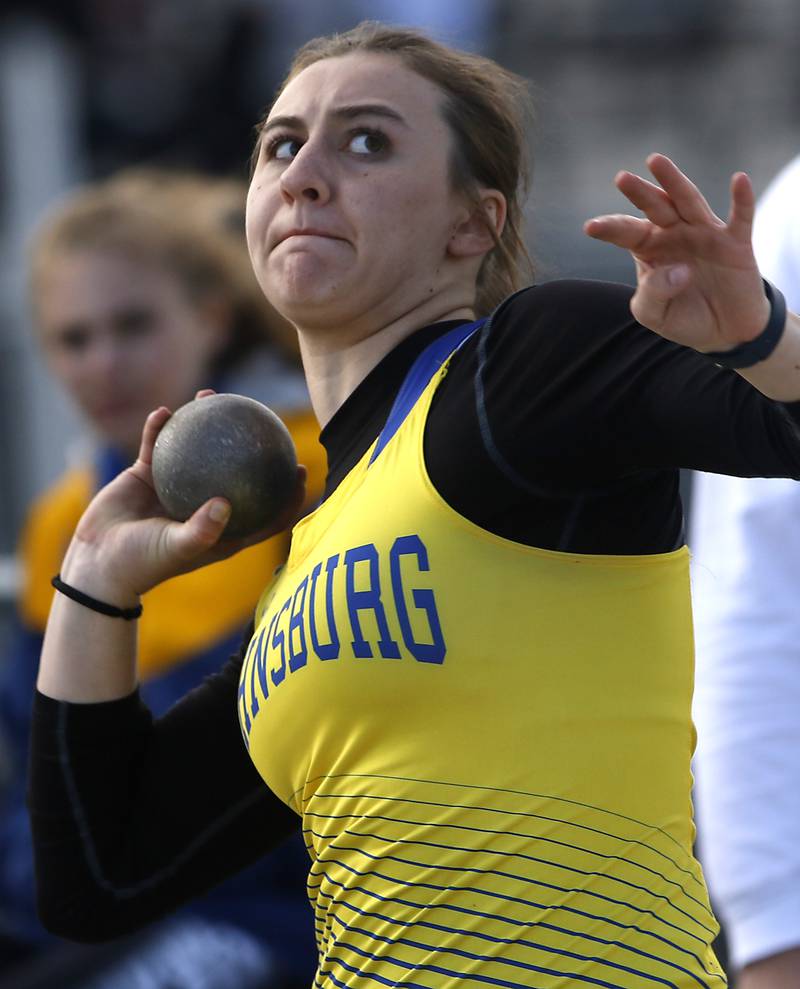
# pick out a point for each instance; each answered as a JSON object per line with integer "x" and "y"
{"x": 488, "y": 743}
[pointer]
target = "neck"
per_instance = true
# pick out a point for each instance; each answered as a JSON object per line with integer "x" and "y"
{"x": 335, "y": 365}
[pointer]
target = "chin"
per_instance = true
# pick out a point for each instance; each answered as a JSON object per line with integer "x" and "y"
{"x": 310, "y": 304}
{"x": 303, "y": 283}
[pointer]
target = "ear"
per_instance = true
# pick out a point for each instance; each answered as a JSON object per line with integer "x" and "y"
{"x": 480, "y": 227}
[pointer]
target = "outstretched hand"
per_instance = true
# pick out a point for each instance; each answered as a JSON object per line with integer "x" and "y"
{"x": 697, "y": 279}
{"x": 130, "y": 540}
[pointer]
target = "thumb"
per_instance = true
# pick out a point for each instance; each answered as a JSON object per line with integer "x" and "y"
{"x": 201, "y": 530}
{"x": 657, "y": 287}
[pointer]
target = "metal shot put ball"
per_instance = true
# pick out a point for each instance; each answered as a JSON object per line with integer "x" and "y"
{"x": 225, "y": 446}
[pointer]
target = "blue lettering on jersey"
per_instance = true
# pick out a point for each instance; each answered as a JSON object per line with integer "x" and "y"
{"x": 294, "y": 625}
{"x": 259, "y": 661}
{"x": 325, "y": 650}
{"x": 367, "y": 600}
{"x": 244, "y": 717}
{"x": 255, "y": 652}
{"x": 298, "y": 657}
{"x": 425, "y": 652}
{"x": 277, "y": 642}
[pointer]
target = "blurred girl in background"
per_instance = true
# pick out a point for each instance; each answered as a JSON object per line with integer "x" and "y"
{"x": 142, "y": 294}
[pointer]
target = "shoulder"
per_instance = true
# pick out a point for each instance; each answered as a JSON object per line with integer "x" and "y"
{"x": 561, "y": 318}
{"x": 568, "y": 301}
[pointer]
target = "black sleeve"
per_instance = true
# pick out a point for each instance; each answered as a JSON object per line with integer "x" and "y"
{"x": 133, "y": 816}
{"x": 564, "y": 424}
{"x": 603, "y": 392}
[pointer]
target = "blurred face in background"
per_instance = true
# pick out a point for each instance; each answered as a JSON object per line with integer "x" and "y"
{"x": 123, "y": 338}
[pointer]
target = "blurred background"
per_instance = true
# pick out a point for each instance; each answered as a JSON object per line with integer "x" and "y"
{"x": 88, "y": 86}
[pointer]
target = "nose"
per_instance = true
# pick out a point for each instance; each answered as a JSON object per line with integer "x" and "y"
{"x": 306, "y": 177}
{"x": 105, "y": 358}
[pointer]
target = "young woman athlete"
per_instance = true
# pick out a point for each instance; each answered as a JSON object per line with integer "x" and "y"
{"x": 470, "y": 685}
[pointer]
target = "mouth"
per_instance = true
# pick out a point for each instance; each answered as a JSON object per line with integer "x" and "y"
{"x": 306, "y": 232}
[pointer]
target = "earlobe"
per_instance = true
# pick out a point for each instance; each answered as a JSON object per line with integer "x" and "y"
{"x": 479, "y": 231}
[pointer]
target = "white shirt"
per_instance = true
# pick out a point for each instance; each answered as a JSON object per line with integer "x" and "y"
{"x": 745, "y": 537}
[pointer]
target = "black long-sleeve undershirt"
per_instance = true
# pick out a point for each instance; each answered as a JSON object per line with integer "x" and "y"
{"x": 563, "y": 427}
{"x": 132, "y": 817}
{"x": 591, "y": 417}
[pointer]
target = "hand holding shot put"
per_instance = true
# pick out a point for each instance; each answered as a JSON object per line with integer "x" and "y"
{"x": 226, "y": 445}
{"x": 125, "y": 544}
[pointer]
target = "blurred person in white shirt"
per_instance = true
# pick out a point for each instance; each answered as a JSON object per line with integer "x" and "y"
{"x": 745, "y": 537}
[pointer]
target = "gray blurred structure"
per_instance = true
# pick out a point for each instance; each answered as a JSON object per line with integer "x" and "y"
{"x": 714, "y": 83}
{"x": 40, "y": 159}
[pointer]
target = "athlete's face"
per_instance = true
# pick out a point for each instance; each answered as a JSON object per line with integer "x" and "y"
{"x": 123, "y": 338}
{"x": 351, "y": 207}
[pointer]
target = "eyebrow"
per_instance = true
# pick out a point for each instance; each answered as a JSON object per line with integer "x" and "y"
{"x": 348, "y": 112}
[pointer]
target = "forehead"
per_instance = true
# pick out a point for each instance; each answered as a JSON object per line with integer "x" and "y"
{"x": 106, "y": 271}
{"x": 362, "y": 77}
{"x": 80, "y": 282}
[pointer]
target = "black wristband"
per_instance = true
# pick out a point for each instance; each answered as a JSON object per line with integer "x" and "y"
{"x": 92, "y": 603}
{"x": 759, "y": 348}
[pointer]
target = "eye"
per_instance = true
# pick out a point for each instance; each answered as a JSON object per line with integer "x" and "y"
{"x": 368, "y": 142}
{"x": 283, "y": 148}
{"x": 73, "y": 339}
{"x": 132, "y": 323}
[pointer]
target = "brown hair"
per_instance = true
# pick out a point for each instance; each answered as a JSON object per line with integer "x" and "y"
{"x": 187, "y": 224}
{"x": 486, "y": 107}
